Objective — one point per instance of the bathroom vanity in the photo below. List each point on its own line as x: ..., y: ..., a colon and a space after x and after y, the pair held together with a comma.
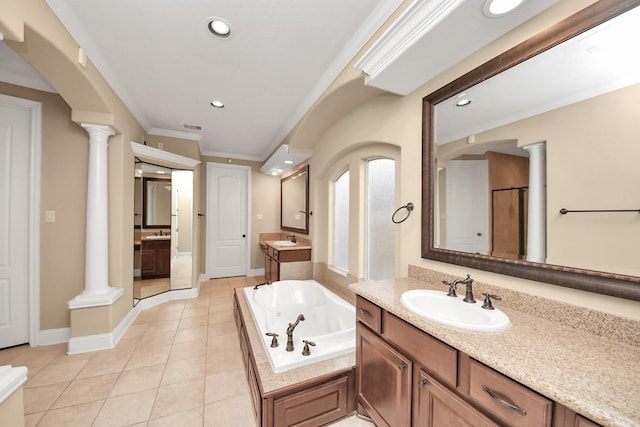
x: 416, y: 372
x: 155, y: 257
x: 284, y: 259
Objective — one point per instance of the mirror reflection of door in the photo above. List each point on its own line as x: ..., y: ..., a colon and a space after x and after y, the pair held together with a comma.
x: 162, y: 230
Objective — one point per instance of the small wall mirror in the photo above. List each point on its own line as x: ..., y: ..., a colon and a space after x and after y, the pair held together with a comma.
x: 294, y: 201
x: 156, y: 203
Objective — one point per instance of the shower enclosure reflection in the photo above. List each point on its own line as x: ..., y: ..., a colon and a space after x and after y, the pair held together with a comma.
x: 163, y: 209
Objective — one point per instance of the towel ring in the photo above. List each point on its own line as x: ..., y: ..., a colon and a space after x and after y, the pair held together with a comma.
x: 408, y: 207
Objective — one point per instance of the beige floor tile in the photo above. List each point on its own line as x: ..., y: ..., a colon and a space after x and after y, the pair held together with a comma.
x: 156, y: 339
x: 224, y: 328
x: 352, y: 421
x: 38, y: 399
x: 220, y: 316
x: 148, y: 356
x: 182, y: 370
x: 72, y: 416
x: 191, y: 334
x: 193, y: 322
x: 233, y: 412
x: 56, y: 373
x: 138, y: 380
x: 168, y: 315
x: 178, y: 397
x: 226, y: 384
x: 225, y: 342
x: 104, y: 364
x: 126, y: 410
x: 31, y: 420
x: 163, y: 325
x: 195, y: 311
x: 85, y: 390
x: 188, y: 349
x: 223, y: 361
x: 135, y: 331
x: 190, y: 418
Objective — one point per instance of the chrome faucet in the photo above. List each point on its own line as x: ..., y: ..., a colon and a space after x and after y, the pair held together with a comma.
x: 290, y: 329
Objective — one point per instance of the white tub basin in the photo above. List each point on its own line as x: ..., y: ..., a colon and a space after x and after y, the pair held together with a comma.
x: 284, y: 243
x: 438, y: 307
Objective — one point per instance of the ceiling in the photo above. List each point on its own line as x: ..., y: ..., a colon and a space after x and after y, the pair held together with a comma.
x: 165, y: 65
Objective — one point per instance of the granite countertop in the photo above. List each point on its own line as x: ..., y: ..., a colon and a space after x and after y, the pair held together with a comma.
x: 299, y: 245
x: 596, y: 377
x: 271, y: 382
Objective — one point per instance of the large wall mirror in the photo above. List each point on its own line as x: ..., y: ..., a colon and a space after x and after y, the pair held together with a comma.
x: 530, y: 160
x: 294, y: 201
x: 156, y: 205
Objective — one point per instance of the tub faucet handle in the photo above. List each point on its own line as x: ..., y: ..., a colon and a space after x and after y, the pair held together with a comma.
x: 274, y: 340
x: 306, y: 350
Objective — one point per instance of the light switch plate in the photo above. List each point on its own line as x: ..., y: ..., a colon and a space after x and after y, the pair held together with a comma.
x: 49, y: 216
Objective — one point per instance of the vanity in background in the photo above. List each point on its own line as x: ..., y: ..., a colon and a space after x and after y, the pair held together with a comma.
x: 289, y: 262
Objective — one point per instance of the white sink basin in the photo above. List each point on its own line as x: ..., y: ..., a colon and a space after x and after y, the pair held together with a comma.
x: 438, y: 307
x: 284, y: 243
x: 157, y: 237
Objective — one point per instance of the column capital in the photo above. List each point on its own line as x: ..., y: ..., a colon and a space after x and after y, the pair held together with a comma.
x: 98, y: 130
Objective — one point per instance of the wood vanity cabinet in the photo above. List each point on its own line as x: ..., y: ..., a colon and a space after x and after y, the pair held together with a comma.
x: 155, y: 259
x: 406, y: 377
x: 274, y: 257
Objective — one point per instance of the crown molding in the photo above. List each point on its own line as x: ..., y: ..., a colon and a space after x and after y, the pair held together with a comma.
x: 419, y: 18
x: 165, y: 158
x: 175, y: 134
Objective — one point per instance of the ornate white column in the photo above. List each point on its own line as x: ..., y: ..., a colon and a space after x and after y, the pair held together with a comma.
x: 97, y: 291
x: 537, y: 223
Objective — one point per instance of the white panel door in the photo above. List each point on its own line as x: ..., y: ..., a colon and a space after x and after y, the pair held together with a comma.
x: 227, y: 220
x: 467, y: 201
x: 15, y: 136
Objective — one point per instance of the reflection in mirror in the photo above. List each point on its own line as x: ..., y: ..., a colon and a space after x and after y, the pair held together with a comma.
x: 163, y: 211
x: 510, y: 146
x: 294, y: 201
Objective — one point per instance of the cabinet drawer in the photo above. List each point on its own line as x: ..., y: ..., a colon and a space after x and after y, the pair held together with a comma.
x: 369, y: 314
x: 439, y: 359
x: 511, y: 402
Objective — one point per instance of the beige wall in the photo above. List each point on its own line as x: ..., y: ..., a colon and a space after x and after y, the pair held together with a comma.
x: 12, y: 409
x: 398, y: 121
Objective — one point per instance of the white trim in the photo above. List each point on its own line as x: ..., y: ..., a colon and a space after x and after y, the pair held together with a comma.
x: 232, y: 156
x: 168, y: 159
x: 35, y: 150
x: 175, y: 134
x: 11, y: 378
x: 54, y: 336
x: 413, y: 24
x: 110, y: 340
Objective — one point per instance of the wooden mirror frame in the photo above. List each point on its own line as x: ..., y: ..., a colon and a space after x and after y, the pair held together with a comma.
x: 622, y: 286
x: 145, y: 224
x: 305, y: 230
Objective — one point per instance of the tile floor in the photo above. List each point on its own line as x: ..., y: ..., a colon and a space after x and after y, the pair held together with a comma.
x: 178, y: 364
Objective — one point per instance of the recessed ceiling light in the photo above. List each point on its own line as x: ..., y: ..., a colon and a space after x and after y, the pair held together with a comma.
x: 217, y: 104
x: 463, y: 102
x: 288, y: 162
x: 218, y: 27
x: 494, y: 8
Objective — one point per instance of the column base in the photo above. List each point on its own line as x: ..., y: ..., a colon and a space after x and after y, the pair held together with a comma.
x: 85, y: 300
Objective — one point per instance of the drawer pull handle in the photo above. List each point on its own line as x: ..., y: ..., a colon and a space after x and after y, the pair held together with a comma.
x: 423, y: 383
x: 504, y: 402
x: 402, y: 366
x: 365, y: 312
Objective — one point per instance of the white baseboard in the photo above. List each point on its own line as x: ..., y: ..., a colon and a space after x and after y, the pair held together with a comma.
x: 256, y: 272
x: 54, y: 336
x: 110, y: 340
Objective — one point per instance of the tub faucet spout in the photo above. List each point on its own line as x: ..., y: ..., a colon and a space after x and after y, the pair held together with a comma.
x: 290, y: 329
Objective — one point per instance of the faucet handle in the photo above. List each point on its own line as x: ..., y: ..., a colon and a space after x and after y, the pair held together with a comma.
x: 487, y: 300
x: 452, y: 288
x: 306, y: 350
x: 274, y: 341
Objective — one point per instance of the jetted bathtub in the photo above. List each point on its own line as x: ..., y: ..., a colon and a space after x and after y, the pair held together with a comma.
x: 330, y: 321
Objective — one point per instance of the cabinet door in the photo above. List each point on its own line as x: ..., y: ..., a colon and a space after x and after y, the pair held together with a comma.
x: 435, y: 406
x: 383, y: 380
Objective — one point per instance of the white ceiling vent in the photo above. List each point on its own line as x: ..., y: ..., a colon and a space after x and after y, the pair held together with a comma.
x: 191, y: 127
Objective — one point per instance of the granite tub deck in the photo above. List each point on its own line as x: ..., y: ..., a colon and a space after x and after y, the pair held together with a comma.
x: 594, y: 376
x: 269, y: 381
